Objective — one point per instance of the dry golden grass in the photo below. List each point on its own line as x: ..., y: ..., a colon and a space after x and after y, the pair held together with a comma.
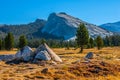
x: 66, y: 70
x: 7, y: 52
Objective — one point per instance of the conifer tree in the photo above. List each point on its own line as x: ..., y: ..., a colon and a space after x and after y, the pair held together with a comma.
x: 99, y: 42
x: 3, y: 44
x: 82, y: 36
x: 9, y: 41
x: 43, y: 41
x: 91, y: 41
x: 0, y: 44
x: 22, y: 41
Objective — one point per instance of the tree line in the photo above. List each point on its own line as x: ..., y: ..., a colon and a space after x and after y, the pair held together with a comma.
x: 82, y: 41
x: 99, y: 42
x: 8, y: 43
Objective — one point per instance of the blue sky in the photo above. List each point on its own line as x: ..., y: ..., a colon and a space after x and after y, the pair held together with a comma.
x: 92, y: 11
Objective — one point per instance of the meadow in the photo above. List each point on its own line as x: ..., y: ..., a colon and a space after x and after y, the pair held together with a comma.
x: 104, y: 66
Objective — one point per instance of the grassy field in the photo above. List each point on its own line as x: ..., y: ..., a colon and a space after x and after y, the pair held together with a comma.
x: 104, y: 66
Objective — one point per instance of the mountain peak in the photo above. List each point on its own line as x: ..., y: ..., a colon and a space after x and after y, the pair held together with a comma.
x: 62, y: 13
x: 64, y: 25
x: 39, y: 20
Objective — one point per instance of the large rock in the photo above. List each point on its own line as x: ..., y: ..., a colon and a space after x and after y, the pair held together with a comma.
x: 89, y: 55
x: 45, y: 48
x: 43, y: 55
x: 52, y: 54
x: 7, y: 57
x: 24, y: 54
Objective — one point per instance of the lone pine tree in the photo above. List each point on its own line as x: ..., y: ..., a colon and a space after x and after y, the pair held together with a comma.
x: 82, y: 36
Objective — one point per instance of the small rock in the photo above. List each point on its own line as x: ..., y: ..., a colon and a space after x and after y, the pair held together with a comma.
x: 44, y: 71
x: 89, y: 55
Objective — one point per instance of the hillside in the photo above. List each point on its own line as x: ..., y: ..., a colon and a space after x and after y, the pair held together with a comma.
x: 31, y: 30
x: 113, y: 27
x: 26, y: 29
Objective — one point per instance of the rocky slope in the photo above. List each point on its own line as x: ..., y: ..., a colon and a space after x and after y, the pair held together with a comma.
x: 64, y: 25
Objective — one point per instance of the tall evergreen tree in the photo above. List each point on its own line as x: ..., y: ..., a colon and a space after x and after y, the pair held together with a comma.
x: 99, y: 42
x: 22, y: 41
x: 91, y: 41
x: 107, y: 41
x: 9, y: 41
x: 0, y: 44
x: 82, y: 36
x: 3, y: 44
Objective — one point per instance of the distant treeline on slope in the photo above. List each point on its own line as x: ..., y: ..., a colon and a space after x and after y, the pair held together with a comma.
x: 31, y: 30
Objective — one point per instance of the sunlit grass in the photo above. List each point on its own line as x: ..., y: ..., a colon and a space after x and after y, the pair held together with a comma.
x: 29, y: 71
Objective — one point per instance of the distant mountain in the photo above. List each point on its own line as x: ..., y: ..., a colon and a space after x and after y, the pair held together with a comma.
x: 26, y: 29
x: 113, y: 27
x: 31, y: 30
x: 58, y: 26
x: 64, y: 25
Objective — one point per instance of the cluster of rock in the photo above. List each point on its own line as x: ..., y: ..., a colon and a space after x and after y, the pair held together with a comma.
x: 43, y: 52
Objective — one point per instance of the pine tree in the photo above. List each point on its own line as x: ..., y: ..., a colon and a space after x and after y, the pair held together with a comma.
x: 107, y: 41
x: 0, y: 44
x: 3, y: 44
x: 91, y: 41
x: 43, y: 41
x: 9, y: 41
x: 99, y: 42
x: 82, y: 36
x: 22, y: 41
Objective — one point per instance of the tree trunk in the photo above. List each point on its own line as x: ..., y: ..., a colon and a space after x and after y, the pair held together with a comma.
x: 81, y: 49
x: 99, y: 48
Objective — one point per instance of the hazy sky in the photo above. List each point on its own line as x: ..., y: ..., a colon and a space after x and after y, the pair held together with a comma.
x: 92, y: 11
